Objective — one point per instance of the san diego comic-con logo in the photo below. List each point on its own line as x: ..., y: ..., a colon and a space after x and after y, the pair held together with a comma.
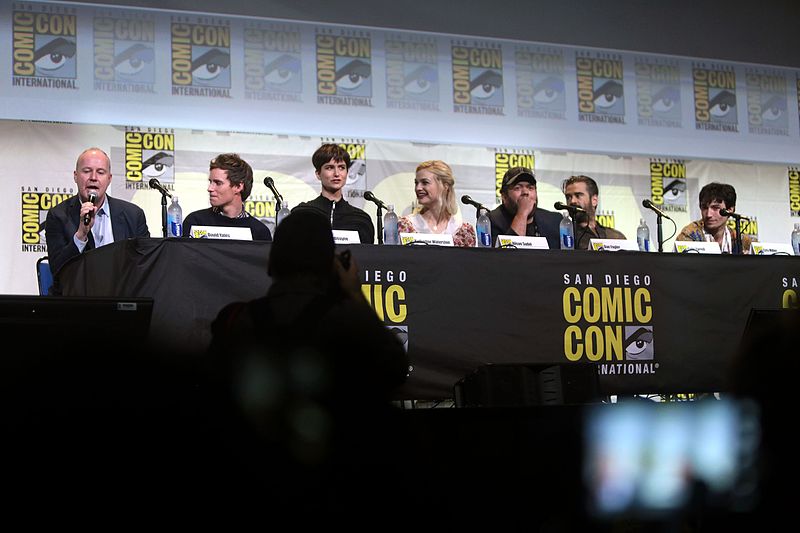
x: 609, y: 321
x: 272, y: 63
x: 344, y: 67
x: 793, y: 174
x: 789, y: 296
x: 749, y: 227
x: 668, y: 184
x: 35, y: 205
x: 601, y: 93
x: 386, y: 294
x: 766, y: 102
x: 412, y: 73
x: 124, y: 52
x: 714, y: 88
x: 44, y: 46
x: 506, y: 159
x: 149, y: 153
x: 540, y: 82
x: 658, y: 92
x: 263, y: 208
x: 201, y: 57
x: 477, y: 77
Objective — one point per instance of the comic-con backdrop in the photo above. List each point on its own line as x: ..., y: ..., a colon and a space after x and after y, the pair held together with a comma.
x: 165, y: 92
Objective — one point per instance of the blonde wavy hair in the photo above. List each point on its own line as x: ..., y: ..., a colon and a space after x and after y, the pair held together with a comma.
x: 444, y: 175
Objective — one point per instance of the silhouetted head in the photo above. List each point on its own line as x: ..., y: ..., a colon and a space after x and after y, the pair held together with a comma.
x: 303, y: 244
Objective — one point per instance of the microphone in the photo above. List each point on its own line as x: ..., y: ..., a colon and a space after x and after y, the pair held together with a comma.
x: 649, y: 205
x: 724, y: 212
x: 371, y: 198
x: 466, y: 200
x: 270, y: 183
x: 155, y: 184
x: 571, y: 208
x: 88, y: 216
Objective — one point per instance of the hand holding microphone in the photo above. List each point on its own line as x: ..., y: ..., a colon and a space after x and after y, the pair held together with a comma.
x: 89, y: 214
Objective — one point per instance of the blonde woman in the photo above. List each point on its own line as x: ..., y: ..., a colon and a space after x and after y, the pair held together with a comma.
x: 436, y: 196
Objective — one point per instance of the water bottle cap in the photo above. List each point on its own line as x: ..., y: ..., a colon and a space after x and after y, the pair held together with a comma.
x: 390, y: 207
x: 641, y: 221
x: 174, y: 197
x: 797, y: 225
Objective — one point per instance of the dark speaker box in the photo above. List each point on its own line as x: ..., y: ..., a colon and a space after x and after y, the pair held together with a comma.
x: 511, y: 385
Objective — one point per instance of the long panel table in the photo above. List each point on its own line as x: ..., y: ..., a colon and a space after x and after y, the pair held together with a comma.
x: 652, y: 323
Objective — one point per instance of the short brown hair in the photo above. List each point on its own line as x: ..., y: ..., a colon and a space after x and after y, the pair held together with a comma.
x: 328, y: 152
x: 239, y: 171
x: 591, y: 185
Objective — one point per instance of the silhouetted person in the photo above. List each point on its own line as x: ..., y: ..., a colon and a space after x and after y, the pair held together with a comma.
x: 309, y: 370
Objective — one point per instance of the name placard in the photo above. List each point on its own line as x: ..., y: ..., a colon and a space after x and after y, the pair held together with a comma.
x: 436, y: 239
x: 613, y: 245
x: 771, y: 248
x: 345, y: 236
x: 520, y: 241
x: 221, y: 232
x: 683, y: 247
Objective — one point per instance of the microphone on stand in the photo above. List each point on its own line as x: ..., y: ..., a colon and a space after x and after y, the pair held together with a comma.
x: 650, y: 205
x: 88, y: 216
x: 724, y: 212
x: 466, y: 200
x: 155, y: 184
x: 571, y: 208
x: 371, y: 198
x: 270, y: 183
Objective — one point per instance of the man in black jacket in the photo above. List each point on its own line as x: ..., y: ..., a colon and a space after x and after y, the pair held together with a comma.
x: 331, y: 163
x: 518, y: 214
x: 78, y: 224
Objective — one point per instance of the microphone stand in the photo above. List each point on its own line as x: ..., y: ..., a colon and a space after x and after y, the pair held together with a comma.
x: 738, y: 243
x: 660, y: 233
x: 380, y: 223
x: 164, y: 214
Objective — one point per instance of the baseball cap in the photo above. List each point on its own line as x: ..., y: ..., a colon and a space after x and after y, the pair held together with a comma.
x: 516, y: 175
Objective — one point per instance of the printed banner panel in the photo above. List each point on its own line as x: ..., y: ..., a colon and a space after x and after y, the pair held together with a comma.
x: 71, y: 62
x: 650, y: 323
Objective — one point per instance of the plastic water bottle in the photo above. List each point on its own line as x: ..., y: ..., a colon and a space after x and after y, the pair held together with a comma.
x: 174, y: 219
x: 484, y: 230
x: 643, y: 236
x: 566, y: 234
x: 796, y: 239
x: 390, y: 232
x: 282, y: 213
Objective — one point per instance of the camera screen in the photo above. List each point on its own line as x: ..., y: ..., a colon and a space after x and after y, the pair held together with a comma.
x: 647, y: 459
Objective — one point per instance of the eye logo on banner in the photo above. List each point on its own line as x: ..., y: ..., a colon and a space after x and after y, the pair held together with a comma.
x: 149, y: 154
x: 766, y: 102
x: 714, y: 98
x: 609, y: 322
x: 506, y: 159
x: 344, y: 67
x: 385, y: 292
x: 273, y: 63
x: 412, y: 73
x: 477, y: 77
x: 44, y: 46
x: 35, y: 206
x: 793, y: 173
x: 540, y: 82
x: 201, y: 57
x: 668, y: 185
x: 601, y: 94
x: 124, y: 52
x: 658, y: 92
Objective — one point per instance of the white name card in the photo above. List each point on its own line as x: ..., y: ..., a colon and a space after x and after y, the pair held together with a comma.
x: 346, y: 236
x: 520, y: 241
x: 436, y: 239
x: 613, y: 245
x: 221, y: 232
x: 771, y: 248
x: 683, y: 247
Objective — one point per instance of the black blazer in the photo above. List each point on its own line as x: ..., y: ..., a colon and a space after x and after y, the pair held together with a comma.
x: 546, y: 221
x: 127, y: 221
